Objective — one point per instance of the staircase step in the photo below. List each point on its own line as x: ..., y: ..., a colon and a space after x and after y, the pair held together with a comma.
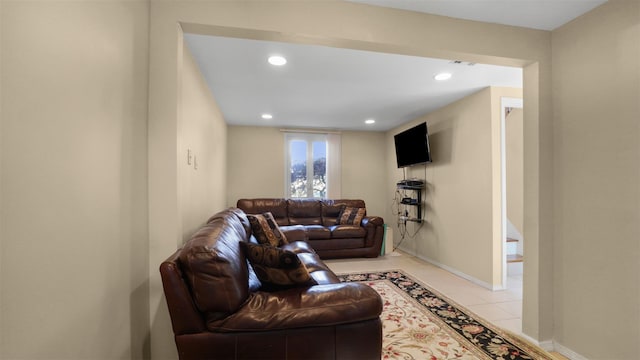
x: 513, y: 258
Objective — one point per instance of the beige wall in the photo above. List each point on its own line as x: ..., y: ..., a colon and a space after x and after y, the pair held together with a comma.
x: 74, y: 180
x: 596, y: 77
x: 462, y: 229
x: 257, y: 161
x: 202, y: 131
x: 457, y: 232
x: 363, y: 170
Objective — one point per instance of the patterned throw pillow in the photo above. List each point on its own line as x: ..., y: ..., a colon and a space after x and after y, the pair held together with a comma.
x: 351, y: 216
x: 277, y: 267
x: 266, y: 230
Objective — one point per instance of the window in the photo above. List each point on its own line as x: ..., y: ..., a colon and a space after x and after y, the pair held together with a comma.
x: 309, y: 170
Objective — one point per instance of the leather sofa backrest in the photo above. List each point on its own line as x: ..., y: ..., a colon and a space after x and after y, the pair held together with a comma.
x: 299, y: 211
x: 304, y: 211
x: 277, y: 207
x: 214, y: 265
x: 242, y: 217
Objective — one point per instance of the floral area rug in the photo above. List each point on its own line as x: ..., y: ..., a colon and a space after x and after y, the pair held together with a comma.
x: 419, y: 323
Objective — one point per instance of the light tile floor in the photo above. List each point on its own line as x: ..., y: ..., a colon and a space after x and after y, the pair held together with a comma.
x: 502, y: 308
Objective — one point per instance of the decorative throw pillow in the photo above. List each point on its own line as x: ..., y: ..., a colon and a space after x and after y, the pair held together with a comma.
x: 351, y: 216
x: 276, y: 267
x: 331, y: 212
x: 266, y: 230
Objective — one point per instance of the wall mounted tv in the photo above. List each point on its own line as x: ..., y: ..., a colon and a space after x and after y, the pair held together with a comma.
x: 412, y: 146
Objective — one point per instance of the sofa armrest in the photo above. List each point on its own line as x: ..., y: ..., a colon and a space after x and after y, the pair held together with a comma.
x: 375, y: 232
x: 185, y: 317
x: 318, y: 305
x: 368, y: 221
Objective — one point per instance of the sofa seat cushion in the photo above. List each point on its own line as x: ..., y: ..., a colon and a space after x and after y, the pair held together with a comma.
x: 347, y: 231
x: 331, y: 244
x: 315, y: 232
x: 319, y: 305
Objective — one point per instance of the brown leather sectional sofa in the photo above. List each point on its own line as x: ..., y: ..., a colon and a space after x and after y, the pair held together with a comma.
x: 315, y: 221
x: 220, y: 310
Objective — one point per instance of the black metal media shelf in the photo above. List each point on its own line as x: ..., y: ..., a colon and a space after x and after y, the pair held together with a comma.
x: 415, y: 200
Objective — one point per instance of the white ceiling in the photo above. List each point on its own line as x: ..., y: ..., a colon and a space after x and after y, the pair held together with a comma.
x: 534, y: 14
x: 334, y: 88
x: 324, y: 87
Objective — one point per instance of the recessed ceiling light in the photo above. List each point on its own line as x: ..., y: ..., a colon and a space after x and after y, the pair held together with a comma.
x: 267, y: 116
x: 277, y: 60
x: 369, y: 121
x: 442, y: 76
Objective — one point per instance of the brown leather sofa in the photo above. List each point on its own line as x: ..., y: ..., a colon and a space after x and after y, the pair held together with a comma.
x: 219, y: 309
x: 315, y: 221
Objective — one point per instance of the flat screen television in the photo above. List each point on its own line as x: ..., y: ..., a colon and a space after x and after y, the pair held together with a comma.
x: 412, y: 146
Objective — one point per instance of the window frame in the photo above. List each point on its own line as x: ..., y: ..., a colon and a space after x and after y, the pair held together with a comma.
x: 309, y: 139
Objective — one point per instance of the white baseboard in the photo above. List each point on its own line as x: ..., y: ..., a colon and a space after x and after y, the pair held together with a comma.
x: 545, y: 345
x: 565, y: 351
x: 456, y: 272
x: 551, y: 345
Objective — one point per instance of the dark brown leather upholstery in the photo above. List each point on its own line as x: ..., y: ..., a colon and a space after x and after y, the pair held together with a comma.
x: 277, y: 207
x: 315, y: 221
x: 219, y: 311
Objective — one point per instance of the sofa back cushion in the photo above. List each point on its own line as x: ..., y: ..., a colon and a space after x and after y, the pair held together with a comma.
x: 299, y: 211
x: 304, y: 211
x: 214, y: 265
x: 331, y: 209
x: 277, y: 207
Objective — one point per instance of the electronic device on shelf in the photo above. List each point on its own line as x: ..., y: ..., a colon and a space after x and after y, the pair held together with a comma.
x: 409, y: 201
x: 413, y: 182
x: 410, y: 184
